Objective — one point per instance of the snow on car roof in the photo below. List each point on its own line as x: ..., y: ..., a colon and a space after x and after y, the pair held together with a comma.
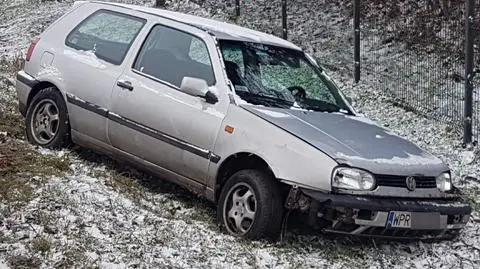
x: 221, y: 30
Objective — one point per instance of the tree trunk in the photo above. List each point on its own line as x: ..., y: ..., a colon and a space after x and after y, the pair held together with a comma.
x: 160, y: 3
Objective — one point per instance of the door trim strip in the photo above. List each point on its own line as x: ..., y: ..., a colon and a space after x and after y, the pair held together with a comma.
x: 87, y: 105
x: 207, y: 154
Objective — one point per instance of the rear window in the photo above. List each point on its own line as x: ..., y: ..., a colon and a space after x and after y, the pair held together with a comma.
x: 107, y: 34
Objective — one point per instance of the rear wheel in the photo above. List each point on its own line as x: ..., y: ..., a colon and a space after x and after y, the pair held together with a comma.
x: 47, y: 120
x: 250, y: 205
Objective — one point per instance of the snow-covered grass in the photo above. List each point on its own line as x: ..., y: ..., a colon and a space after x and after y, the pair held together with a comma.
x: 90, y: 211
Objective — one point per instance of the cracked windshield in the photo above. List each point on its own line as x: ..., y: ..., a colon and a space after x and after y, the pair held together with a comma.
x: 278, y: 77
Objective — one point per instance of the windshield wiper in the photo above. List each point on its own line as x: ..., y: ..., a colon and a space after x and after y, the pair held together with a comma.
x: 323, y: 106
x: 261, y: 99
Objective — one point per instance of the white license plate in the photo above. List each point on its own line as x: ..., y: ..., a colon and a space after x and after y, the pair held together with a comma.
x: 399, y: 219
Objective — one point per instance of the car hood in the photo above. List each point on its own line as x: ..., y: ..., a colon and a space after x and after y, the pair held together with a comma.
x: 354, y: 140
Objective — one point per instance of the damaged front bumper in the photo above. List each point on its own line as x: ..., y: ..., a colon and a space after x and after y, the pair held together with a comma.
x: 381, y: 217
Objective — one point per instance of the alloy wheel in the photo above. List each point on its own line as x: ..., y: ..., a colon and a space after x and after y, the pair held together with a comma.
x: 239, y: 209
x: 45, y: 121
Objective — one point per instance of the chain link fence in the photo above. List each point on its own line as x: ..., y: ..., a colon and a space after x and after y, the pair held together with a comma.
x: 415, y: 52
x: 476, y: 78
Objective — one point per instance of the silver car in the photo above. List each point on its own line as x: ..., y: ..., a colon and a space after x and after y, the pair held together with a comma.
x: 246, y: 119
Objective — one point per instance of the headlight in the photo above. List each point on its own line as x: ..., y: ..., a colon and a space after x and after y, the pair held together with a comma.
x: 444, y: 182
x: 352, y: 179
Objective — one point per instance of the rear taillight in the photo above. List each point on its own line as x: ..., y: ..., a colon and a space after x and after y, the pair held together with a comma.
x: 31, y: 48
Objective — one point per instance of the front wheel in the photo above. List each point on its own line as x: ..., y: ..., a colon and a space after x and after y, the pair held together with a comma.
x: 250, y: 205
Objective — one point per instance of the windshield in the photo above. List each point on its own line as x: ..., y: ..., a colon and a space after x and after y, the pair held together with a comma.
x: 273, y: 76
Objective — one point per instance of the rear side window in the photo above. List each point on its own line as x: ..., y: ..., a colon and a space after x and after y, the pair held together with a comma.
x: 107, y: 34
x: 170, y: 55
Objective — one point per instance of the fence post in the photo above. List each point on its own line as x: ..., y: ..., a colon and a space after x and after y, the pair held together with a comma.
x: 284, y: 19
x: 356, y: 29
x: 468, y: 105
x: 237, y: 8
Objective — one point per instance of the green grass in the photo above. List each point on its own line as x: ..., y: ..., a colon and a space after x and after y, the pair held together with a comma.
x: 18, y: 159
x: 127, y: 185
x: 22, y: 169
x: 41, y: 245
x: 72, y: 258
x: 11, y: 65
x: 12, y: 122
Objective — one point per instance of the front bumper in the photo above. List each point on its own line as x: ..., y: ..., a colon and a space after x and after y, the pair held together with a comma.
x: 372, y: 216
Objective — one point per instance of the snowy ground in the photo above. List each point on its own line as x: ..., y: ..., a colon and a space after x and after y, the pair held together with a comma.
x: 86, y: 210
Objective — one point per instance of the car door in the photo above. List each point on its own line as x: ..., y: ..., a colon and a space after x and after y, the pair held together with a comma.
x: 91, y: 62
x: 153, y: 119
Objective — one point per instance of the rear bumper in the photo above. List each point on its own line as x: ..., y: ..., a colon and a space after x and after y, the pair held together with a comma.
x: 372, y: 216
x: 24, y: 85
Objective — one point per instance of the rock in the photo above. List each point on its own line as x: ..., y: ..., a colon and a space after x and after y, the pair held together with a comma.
x: 472, y: 179
x: 50, y: 229
x: 138, y: 220
x: 467, y: 157
x: 21, y: 235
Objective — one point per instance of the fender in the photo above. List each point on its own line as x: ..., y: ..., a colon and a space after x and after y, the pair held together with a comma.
x: 291, y: 160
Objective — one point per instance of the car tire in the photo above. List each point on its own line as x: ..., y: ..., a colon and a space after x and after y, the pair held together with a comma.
x: 247, y: 192
x: 47, y: 122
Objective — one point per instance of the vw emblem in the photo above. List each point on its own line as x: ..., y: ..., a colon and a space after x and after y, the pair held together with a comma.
x: 411, y: 183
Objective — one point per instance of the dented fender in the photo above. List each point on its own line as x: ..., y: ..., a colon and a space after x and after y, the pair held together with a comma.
x: 291, y: 160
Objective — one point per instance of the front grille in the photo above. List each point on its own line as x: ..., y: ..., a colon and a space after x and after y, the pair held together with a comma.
x: 400, y: 181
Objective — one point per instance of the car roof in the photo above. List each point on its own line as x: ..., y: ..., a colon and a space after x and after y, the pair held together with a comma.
x: 221, y: 30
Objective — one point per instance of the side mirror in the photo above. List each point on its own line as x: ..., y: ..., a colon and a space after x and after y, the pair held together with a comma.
x: 349, y: 99
x: 198, y: 87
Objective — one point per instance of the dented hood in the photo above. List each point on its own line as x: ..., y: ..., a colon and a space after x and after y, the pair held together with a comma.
x: 353, y: 140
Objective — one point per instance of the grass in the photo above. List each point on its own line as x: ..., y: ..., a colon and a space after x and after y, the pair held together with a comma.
x: 472, y: 196
x: 22, y: 171
x: 20, y: 159
x: 11, y: 65
x: 22, y: 168
x: 127, y: 185
x: 140, y: 188
x: 72, y: 258
x: 12, y: 122
x: 41, y: 245
x: 144, y: 189
x: 24, y: 261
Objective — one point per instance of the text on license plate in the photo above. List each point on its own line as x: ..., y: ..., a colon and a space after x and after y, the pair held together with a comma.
x: 399, y: 219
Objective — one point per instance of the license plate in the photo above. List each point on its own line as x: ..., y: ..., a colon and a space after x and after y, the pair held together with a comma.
x: 399, y: 219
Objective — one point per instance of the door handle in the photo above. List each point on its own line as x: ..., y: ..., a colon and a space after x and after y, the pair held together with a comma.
x: 125, y: 84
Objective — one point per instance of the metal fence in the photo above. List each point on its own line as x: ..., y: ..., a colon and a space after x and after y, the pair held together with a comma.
x: 423, y: 54
x: 475, y: 80
x: 420, y: 53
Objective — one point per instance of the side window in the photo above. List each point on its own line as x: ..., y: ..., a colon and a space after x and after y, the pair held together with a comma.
x: 233, y: 56
x: 107, y: 34
x: 198, y: 52
x: 170, y: 55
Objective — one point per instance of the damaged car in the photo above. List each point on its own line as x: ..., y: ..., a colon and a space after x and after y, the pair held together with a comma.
x: 246, y: 119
